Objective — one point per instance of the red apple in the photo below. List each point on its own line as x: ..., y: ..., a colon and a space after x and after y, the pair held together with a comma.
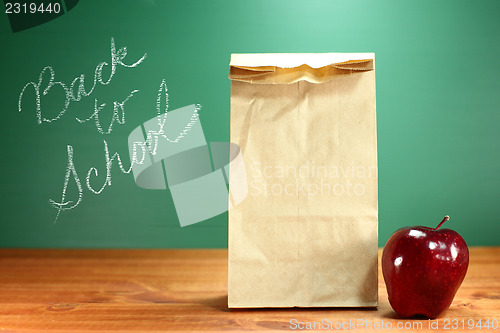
x: 423, y: 269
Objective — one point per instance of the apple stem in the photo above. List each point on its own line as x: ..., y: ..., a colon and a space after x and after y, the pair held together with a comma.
x: 446, y: 218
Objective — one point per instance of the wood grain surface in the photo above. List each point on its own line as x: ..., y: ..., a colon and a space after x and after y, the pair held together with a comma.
x: 186, y: 290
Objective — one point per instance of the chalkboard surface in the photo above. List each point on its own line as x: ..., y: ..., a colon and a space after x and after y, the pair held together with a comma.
x: 74, y: 87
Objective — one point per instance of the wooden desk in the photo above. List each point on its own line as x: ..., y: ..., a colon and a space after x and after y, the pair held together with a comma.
x: 155, y: 290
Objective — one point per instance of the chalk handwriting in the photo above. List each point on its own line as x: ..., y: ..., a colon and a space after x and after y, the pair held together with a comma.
x: 117, y: 57
x: 74, y: 93
x: 109, y: 164
x: 118, y: 114
x: 70, y: 172
x: 150, y: 146
x: 152, y: 137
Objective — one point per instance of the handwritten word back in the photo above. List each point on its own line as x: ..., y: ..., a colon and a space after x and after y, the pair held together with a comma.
x: 72, y: 95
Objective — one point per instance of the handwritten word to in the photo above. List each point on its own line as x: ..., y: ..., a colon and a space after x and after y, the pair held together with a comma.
x: 76, y: 91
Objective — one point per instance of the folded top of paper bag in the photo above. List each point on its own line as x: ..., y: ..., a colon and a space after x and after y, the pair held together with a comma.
x: 290, y: 60
x: 276, y: 68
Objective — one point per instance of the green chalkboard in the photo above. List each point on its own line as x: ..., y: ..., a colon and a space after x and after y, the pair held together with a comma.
x: 437, y: 108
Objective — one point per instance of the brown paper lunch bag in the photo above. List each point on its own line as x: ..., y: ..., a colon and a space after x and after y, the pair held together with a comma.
x: 306, y: 234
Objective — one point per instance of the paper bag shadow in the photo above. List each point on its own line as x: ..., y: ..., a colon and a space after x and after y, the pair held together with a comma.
x: 219, y: 303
